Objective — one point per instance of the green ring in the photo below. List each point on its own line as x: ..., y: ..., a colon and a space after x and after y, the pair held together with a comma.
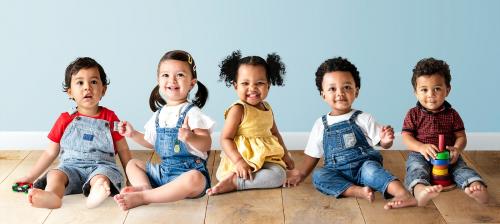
x: 443, y: 155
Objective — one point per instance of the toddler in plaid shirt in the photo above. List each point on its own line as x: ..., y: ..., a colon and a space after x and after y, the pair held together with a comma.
x: 432, y: 116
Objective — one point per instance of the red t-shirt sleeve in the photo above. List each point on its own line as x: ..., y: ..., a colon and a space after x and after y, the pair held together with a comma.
x: 114, y: 134
x: 57, y: 130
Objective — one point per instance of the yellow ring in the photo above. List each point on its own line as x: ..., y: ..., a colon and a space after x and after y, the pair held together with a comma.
x: 439, y: 172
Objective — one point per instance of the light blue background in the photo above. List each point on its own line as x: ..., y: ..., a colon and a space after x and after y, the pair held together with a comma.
x: 384, y: 39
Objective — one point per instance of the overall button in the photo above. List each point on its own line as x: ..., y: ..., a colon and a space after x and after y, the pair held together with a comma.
x: 198, y: 161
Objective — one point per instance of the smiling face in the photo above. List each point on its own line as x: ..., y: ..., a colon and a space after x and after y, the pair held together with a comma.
x: 339, y: 91
x: 431, y: 91
x: 87, y: 90
x: 175, y: 81
x: 251, y: 84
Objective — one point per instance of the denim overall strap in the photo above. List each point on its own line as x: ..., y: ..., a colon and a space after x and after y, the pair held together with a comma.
x: 360, y: 136
x: 325, y: 122
x: 87, y: 139
x: 355, y: 115
x: 183, y: 115
x: 157, y: 119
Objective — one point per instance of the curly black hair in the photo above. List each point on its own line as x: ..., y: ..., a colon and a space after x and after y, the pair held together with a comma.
x: 275, y: 69
x: 431, y: 66
x: 336, y: 64
x: 82, y: 63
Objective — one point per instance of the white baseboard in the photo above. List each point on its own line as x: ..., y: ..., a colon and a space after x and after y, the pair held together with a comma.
x: 476, y: 141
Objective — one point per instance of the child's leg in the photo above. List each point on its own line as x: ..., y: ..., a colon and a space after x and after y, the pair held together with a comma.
x: 424, y: 193
x: 463, y: 175
x: 477, y: 191
x: 51, y: 197
x: 334, y: 182
x: 270, y: 176
x: 136, y: 172
x: 417, y: 179
x: 187, y: 185
x: 99, y: 190
x: 373, y: 174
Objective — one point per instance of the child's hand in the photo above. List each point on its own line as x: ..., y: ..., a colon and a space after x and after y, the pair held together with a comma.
x: 293, y: 178
x: 24, y: 179
x: 386, y: 135
x: 290, y: 164
x: 454, y: 154
x: 428, y: 151
x: 243, y: 170
x: 125, y: 129
x: 185, y: 132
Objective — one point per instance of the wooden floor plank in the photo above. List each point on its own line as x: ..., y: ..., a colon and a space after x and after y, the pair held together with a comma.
x: 184, y: 211
x: 250, y: 206
x: 374, y: 212
x: 14, y: 206
x: 304, y: 204
x: 9, y: 160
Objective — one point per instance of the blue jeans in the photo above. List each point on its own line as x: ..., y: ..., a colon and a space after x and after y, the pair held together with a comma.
x: 365, y: 169
x: 418, y: 171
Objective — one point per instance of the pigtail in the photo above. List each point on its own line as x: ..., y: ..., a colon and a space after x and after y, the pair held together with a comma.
x: 229, y: 68
x: 275, y: 69
x: 155, y: 100
x: 201, y: 95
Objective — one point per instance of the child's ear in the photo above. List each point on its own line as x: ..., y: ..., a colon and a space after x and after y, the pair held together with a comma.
x: 234, y: 85
x: 448, y: 90
x: 193, y: 82
x: 357, y: 92
x: 322, y: 94
x: 104, y: 91
x: 68, y: 91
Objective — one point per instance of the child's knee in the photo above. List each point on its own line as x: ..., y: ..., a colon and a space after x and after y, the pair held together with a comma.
x: 195, y: 178
x: 57, y: 175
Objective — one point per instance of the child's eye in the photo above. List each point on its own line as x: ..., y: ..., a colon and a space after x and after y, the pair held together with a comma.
x: 332, y: 89
x: 423, y: 90
x: 347, y: 87
x: 94, y: 82
x: 164, y: 75
x: 244, y: 83
x: 79, y: 83
x: 180, y: 75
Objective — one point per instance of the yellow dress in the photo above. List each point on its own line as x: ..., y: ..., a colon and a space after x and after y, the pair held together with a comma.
x: 254, y: 140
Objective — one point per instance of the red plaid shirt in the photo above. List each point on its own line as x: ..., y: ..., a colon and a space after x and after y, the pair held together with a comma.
x: 425, y: 126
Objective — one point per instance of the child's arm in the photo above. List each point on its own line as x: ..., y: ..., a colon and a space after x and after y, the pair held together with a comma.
x: 47, y: 157
x: 233, y: 119
x: 197, y: 138
x: 288, y: 161
x: 126, y: 129
x: 294, y: 177
x: 460, y: 143
x: 123, y: 152
x: 386, y: 137
x: 427, y: 150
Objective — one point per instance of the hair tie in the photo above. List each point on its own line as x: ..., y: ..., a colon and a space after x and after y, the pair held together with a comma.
x: 190, y: 59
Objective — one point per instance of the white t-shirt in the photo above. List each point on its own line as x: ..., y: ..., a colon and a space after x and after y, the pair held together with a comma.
x: 371, y: 129
x: 168, y: 119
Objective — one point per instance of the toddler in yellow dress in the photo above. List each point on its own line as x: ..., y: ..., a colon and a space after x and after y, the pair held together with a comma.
x: 254, y: 155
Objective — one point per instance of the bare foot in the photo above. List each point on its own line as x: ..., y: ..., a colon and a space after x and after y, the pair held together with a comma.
x: 131, y: 189
x: 44, y: 199
x: 226, y: 185
x: 424, y: 194
x: 360, y: 192
x: 98, y: 193
x: 477, y: 191
x: 129, y: 200
x: 401, y: 202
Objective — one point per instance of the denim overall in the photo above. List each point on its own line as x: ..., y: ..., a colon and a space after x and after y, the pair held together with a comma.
x: 87, y: 150
x: 175, y: 158
x: 349, y: 160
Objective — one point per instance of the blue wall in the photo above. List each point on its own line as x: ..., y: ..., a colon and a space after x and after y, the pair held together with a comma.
x: 384, y: 39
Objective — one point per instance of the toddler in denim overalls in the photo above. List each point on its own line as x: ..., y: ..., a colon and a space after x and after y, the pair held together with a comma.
x: 84, y: 142
x: 345, y: 137
x: 179, y: 133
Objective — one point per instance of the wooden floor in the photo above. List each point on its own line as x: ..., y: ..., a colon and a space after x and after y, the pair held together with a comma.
x: 302, y: 204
